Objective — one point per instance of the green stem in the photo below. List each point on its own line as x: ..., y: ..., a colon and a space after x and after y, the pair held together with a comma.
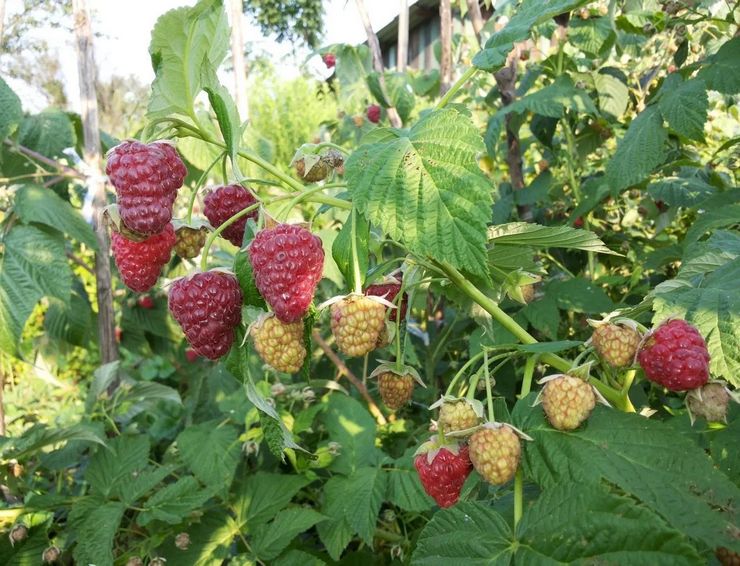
x: 449, y: 95
x: 518, y: 497
x: 529, y: 366
x: 298, y: 198
x: 334, y: 146
x: 399, y: 304
x: 611, y: 395
x: 199, y: 185
x: 489, y: 395
x: 356, y: 275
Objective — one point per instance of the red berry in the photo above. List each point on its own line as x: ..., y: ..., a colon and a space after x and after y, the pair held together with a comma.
x: 208, y: 306
x: 191, y: 355
x: 146, y: 178
x: 389, y: 291
x: 223, y: 203
x: 119, y: 333
x: 288, y: 262
x: 578, y: 222
x: 146, y: 302
x: 139, y: 263
x: 444, y: 476
x: 675, y: 356
x: 329, y: 60
x: 373, y: 113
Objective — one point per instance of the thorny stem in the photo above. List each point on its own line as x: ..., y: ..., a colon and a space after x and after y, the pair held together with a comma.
x: 450, y: 94
x: 199, y: 185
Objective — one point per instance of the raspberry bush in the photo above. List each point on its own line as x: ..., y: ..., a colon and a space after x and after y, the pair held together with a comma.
x: 510, y: 322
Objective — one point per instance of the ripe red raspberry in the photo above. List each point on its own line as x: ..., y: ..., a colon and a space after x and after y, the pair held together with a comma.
x: 139, y: 263
x: 208, y: 306
x: 616, y: 344
x: 373, y: 113
x: 279, y: 344
x: 389, y: 291
x: 567, y: 401
x: 146, y: 302
x: 329, y: 60
x: 358, y: 324
x: 395, y: 390
x: 675, y: 356
x: 288, y: 262
x: 146, y: 178
x: 223, y: 203
x: 189, y: 241
x: 443, y: 472
x: 495, y: 451
x: 191, y: 355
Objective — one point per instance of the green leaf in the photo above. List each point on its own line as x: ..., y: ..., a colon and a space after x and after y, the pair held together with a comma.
x: 572, y: 523
x: 28, y: 552
x: 11, y: 111
x: 184, y: 41
x: 613, y: 94
x: 342, y: 249
x: 544, y: 315
x: 468, y: 533
x: 641, y: 150
x: 529, y: 13
x: 298, y: 558
x: 143, y: 482
x: 404, y: 488
x: 543, y: 237
x: 681, y: 191
x: 260, y: 496
x: 38, y: 437
x: 580, y: 295
x: 425, y: 189
x: 271, y: 539
x: 263, y: 405
x: 593, y: 36
x: 666, y: 471
x: 349, y: 424
x: 335, y: 534
x: 210, y: 542
x: 684, y: 105
x: 212, y: 452
x: 553, y: 100
x: 354, y: 64
x: 71, y: 322
x: 96, y: 534
x: 33, y: 265
x: 44, y: 206
x: 400, y: 93
x: 226, y: 112
x: 145, y: 396
x: 47, y: 133
x: 112, y: 468
x: 352, y: 505
x: 719, y: 72
x: 174, y: 502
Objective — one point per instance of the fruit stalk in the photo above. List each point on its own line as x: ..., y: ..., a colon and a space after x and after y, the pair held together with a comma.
x: 213, y: 235
x: 529, y: 366
x: 199, y: 184
x: 489, y: 395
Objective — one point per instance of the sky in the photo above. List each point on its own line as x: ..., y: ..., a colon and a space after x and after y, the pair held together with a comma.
x: 124, y: 29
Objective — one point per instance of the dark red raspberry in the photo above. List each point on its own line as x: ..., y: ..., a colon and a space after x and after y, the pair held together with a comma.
x: 288, y: 262
x: 146, y: 178
x: 191, y: 355
x: 373, y: 113
x: 444, y: 477
x: 223, y: 203
x: 145, y: 302
x: 207, y: 306
x: 389, y: 291
x: 675, y: 356
x: 329, y: 60
x: 140, y: 263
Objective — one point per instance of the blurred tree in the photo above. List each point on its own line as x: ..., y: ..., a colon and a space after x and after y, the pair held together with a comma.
x: 293, y: 21
x: 122, y: 105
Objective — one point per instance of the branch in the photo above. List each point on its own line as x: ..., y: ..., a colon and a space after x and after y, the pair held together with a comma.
x: 68, y: 171
x: 344, y: 370
x: 81, y: 263
x: 445, y: 39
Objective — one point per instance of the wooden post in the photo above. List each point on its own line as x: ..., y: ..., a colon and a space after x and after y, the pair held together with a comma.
x: 237, y: 58
x: 402, y: 54
x: 445, y: 39
x: 2, y: 20
x: 372, y: 41
x: 476, y: 18
x: 96, y: 181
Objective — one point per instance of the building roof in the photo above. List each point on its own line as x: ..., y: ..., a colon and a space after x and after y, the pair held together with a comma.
x: 420, y: 11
